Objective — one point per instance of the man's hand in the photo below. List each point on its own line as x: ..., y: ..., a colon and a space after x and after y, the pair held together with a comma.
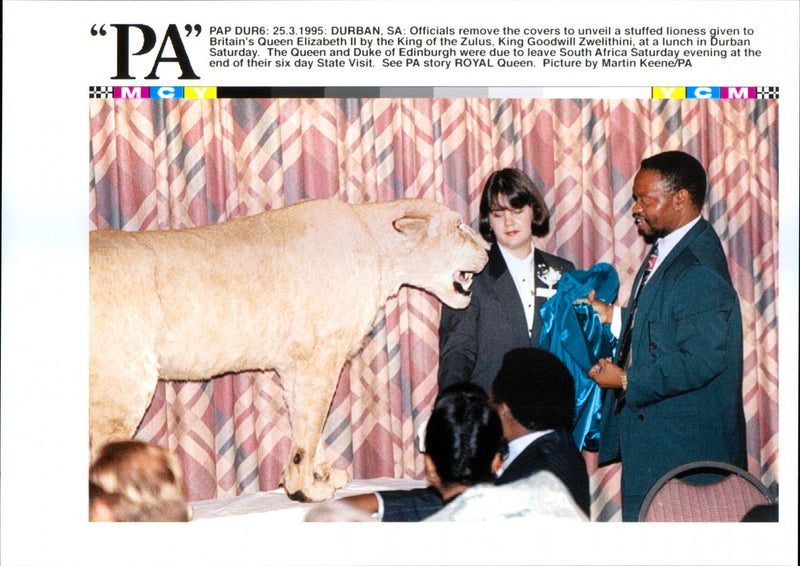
x: 607, y: 375
x: 604, y: 310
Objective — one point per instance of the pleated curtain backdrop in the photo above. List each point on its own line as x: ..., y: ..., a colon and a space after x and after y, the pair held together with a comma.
x: 163, y: 164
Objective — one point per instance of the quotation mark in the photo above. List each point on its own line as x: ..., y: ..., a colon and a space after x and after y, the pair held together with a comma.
x: 197, y: 28
x: 102, y: 30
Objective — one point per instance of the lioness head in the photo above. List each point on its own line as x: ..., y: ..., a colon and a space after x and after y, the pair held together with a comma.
x: 438, y: 252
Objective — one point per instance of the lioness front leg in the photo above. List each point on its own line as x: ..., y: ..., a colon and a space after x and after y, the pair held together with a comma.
x: 308, y: 393
x: 326, y: 473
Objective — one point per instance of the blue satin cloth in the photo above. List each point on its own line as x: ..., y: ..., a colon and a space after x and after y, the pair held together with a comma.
x: 574, y: 333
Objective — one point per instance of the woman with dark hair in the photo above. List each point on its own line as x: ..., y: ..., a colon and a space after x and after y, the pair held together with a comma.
x: 463, y: 441
x: 508, y: 293
x: 464, y: 446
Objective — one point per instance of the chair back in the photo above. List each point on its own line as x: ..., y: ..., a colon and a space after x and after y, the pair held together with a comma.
x: 671, y: 499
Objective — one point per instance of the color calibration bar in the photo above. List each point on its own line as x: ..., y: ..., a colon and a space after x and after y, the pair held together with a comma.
x: 212, y: 92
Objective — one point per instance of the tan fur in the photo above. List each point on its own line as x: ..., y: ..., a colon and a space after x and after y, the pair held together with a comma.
x: 294, y: 290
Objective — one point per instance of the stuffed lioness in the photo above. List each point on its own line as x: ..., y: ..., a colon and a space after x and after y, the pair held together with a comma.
x: 294, y: 290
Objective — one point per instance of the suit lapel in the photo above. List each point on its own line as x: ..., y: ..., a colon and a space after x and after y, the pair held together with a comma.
x: 684, y: 243
x: 506, y: 293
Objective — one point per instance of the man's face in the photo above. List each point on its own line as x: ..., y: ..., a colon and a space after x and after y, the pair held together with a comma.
x: 654, y: 208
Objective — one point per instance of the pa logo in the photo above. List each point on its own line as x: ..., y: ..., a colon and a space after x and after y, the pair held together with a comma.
x: 144, y: 39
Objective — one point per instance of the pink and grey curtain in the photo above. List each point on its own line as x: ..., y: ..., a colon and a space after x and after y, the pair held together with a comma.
x: 156, y: 165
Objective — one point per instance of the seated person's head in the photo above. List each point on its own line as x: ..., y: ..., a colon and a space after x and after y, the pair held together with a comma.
x: 464, y: 390
x: 136, y: 481
x: 537, y: 388
x: 464, y: 439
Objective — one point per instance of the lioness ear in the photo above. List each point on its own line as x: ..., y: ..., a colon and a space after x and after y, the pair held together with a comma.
x: 411, y: 225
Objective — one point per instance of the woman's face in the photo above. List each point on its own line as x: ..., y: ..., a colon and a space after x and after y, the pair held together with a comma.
x: 512, y: 227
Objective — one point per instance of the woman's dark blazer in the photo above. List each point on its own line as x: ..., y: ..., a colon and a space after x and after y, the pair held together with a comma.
x: 473, y: 341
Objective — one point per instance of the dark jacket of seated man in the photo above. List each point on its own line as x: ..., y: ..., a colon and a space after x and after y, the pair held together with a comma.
x: 534, y: 395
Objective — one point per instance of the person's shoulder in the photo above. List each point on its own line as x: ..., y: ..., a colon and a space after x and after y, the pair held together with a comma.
x: 559, y: 441
x: 703, y: 255
x: 701, y: 271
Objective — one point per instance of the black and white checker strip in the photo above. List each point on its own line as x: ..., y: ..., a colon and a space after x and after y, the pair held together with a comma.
x: 101, y: 92
x: 766, y: 92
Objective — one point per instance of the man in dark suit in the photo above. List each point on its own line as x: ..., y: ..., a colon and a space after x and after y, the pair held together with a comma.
x: 507, y: 295
x: 674, y: 392
x: 534, y: 394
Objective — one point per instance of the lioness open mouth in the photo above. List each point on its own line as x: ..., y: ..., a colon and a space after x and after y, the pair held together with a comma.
x: 462, y: 281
